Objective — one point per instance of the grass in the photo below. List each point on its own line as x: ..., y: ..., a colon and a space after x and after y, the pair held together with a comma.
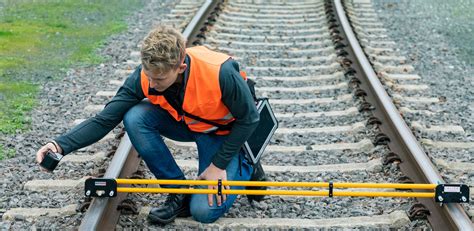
x: 41, y: 39
x: 6, y: 153
x: 16, y: 100
x: 463, y: 12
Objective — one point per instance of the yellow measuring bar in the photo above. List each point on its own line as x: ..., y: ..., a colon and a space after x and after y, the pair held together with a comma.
x: 443, y: 193
x: 276, y: 184
x: 277, y: 192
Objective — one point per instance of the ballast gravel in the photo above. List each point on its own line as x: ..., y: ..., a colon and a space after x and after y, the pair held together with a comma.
x: 438, y: 43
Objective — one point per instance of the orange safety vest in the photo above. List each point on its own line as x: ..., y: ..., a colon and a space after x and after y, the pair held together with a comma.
x: 202, y: 96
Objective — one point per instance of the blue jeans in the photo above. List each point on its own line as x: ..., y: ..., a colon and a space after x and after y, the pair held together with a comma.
x: 145, y: 123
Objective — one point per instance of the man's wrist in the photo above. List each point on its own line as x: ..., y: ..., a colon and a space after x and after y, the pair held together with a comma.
x: 57, y: 146
x: 218, y: 164
x: 217, y: 168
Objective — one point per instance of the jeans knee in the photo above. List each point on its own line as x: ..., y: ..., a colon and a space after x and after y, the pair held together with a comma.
x: 133, y: 117
x: 203, y: 213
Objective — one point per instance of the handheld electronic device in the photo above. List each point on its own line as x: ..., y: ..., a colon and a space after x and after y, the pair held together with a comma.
x: 255, y: 145
x: 51, y: 160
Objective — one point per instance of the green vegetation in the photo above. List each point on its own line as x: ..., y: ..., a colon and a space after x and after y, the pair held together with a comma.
x: 6, y: 153
x: 463, y: 12
x: 41, y: 39
x: 456, y: 20
x: 16, y: 99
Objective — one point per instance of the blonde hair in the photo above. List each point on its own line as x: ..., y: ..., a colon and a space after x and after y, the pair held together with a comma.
x: 163, y: 49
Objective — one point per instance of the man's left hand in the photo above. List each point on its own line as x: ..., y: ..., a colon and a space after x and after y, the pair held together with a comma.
x: 214, y: 173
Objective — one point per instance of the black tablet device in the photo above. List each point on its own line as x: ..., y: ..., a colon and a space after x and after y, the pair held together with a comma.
x: 255, y: 145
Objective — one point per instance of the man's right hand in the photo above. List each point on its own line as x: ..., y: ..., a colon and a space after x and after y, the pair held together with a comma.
x: 44, y: 150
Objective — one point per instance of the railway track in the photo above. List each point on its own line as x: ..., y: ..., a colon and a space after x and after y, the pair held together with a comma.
x: 326, y: 111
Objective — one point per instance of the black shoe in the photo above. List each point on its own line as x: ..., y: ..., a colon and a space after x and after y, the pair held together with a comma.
x: 176, y: 205
x: 257, y: 175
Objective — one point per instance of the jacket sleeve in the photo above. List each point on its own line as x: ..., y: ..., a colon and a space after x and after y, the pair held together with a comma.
x: 238, y: 99
x: 95, y: 128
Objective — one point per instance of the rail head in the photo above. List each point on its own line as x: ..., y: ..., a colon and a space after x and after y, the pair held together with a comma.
x: 192, y: 29
x: 98, y: 207
x: 417, y: 156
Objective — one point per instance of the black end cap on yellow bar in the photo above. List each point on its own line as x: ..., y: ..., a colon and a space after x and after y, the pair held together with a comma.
x: 100, y: 187
x: 452, y: 193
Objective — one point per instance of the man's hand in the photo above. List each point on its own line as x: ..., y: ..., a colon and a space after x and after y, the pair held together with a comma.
x: 44, y: 150
x: 214, y: 173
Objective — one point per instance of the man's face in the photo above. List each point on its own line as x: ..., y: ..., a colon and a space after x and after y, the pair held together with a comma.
x: 161, y: 81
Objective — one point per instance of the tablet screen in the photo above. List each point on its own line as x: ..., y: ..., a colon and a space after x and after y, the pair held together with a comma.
x: 264, y: 131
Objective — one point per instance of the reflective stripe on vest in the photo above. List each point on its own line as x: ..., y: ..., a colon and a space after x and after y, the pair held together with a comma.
x: 202, y: 96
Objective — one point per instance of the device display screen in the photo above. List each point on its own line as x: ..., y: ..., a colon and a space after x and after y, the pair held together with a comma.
x: 263, y: 130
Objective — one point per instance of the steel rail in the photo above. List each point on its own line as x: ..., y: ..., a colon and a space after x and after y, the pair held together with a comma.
x: 190, y: 32
x: 415, y: 162
x: 102, y: 213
